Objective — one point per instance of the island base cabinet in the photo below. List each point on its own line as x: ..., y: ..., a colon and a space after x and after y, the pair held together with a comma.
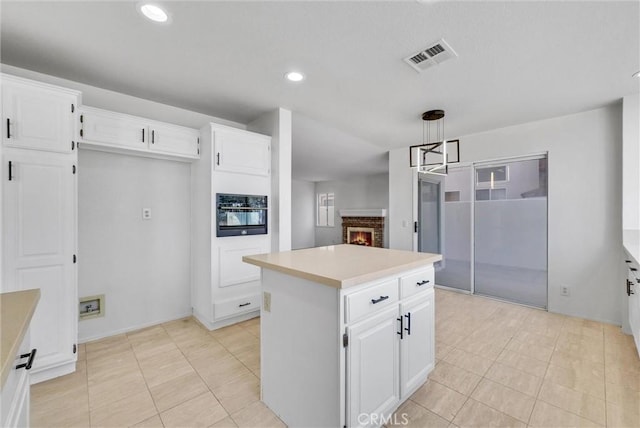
x: 345, y: 357
x: 373, y: 369
x: 417, y: 351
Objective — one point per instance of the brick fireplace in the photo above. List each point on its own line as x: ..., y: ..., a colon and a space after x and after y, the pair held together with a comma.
x: 363, y: 227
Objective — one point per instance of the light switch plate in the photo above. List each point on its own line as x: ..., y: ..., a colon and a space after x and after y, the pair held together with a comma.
x: 146, y: 213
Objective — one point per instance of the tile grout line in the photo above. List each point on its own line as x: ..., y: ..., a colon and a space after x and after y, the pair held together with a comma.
x: 199, y: 375
x: 135, y: 355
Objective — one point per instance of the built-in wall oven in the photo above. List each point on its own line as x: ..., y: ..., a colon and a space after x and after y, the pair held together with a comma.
x: 239, y: 215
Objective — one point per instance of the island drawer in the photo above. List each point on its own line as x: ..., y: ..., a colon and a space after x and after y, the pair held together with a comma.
x: 371, y: 299
x: 416, y: 282
x: 236, y: 306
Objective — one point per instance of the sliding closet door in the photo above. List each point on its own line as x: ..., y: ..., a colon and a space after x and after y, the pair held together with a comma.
x: 455, y: 269
x: 510, y: 231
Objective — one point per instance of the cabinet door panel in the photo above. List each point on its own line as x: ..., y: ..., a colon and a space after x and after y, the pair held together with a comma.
x: 231, y: 267
x: 417, y: 352
x: 39, y: 118
x: 39, y: 224
x: 242, y: 152
x: 174, y: 140
x: 373, y: 368
x: 114, y: 129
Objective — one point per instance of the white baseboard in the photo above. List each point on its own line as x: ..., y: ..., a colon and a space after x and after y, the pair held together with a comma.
x: 209, y: 325
x: 131, y: 328
x: 50, y: 373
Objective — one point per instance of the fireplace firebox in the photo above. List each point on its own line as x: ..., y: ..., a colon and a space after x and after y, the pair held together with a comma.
x: 363, y: 227
x: 361, y: 236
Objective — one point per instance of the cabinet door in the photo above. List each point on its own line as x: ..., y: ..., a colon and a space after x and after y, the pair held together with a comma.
x: 39, y: 230
x: 174, y: 140
x: 231, y: 269
x: 242, y: 152
x: 417, y: 348
x: 634, y: 308
x: 114, y: 129
x: 37, y: 118
x: 373, y: 368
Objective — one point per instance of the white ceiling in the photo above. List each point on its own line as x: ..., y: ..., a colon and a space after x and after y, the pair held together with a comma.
x: 518, y: 62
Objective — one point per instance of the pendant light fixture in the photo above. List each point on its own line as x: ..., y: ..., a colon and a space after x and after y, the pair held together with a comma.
x: 433, y: 155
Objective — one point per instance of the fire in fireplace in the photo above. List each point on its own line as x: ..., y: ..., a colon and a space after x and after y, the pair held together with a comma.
x: 360, y: 236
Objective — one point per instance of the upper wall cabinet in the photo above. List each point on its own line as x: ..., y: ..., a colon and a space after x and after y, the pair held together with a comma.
x: 38, y: 116
x: 110, y: 131
x: 173, y: 139
x: 242, y: 152
x: 113, y: 129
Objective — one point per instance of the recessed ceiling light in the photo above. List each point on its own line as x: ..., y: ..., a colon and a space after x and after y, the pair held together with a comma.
x: 636, y: 74
x: 153, y: 12
x: 294, y: 76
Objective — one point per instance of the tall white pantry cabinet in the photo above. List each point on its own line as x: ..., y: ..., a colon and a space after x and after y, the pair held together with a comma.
x: 39, y: 214
x: 224, y: 289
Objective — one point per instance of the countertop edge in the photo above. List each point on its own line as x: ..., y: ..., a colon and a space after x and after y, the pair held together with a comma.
x: 23, y: 319
x: 345, y: 283
x: 631, y: 243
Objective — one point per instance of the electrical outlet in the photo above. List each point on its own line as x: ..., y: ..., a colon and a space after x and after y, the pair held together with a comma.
x: 266, y: 301
x: 146, y: 213
x: 564, y: 290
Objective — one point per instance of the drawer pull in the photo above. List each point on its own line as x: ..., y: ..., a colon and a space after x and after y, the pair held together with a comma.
x: 632, y: 269
x: 421, y: 283
x: 27, y: 365
x: 244, y: 304
x: 382, y: 298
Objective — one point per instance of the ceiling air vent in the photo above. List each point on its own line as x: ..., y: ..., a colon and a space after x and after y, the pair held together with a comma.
x: 434, y: 54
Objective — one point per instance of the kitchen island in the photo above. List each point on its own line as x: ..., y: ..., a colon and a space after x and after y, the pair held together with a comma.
x: 347, y: 332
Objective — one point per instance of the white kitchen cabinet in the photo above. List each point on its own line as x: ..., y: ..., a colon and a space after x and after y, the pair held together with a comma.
x: 174, y: 140
x: 373, y: 367
x: 365, y: 342
x: 391, y: 353
x: 417, y: 347
x: 113, y: 129
x: 38, y: 116
x: 224, y: 289
x: 633, y: 298
x: 15, y: 397
x: 241, y: 152
x: 123, y: 133
x: 39, y: 240
x: 17, y: 357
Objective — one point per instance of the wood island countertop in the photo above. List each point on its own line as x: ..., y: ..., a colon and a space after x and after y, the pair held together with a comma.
x: 342, y: 266
x: 16, y: 310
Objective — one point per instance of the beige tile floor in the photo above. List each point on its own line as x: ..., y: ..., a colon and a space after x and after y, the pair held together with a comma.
x: 498, y: 364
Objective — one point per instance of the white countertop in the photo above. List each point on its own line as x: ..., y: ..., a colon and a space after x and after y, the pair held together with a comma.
x: 343, y: 266
x: 631, y: 243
